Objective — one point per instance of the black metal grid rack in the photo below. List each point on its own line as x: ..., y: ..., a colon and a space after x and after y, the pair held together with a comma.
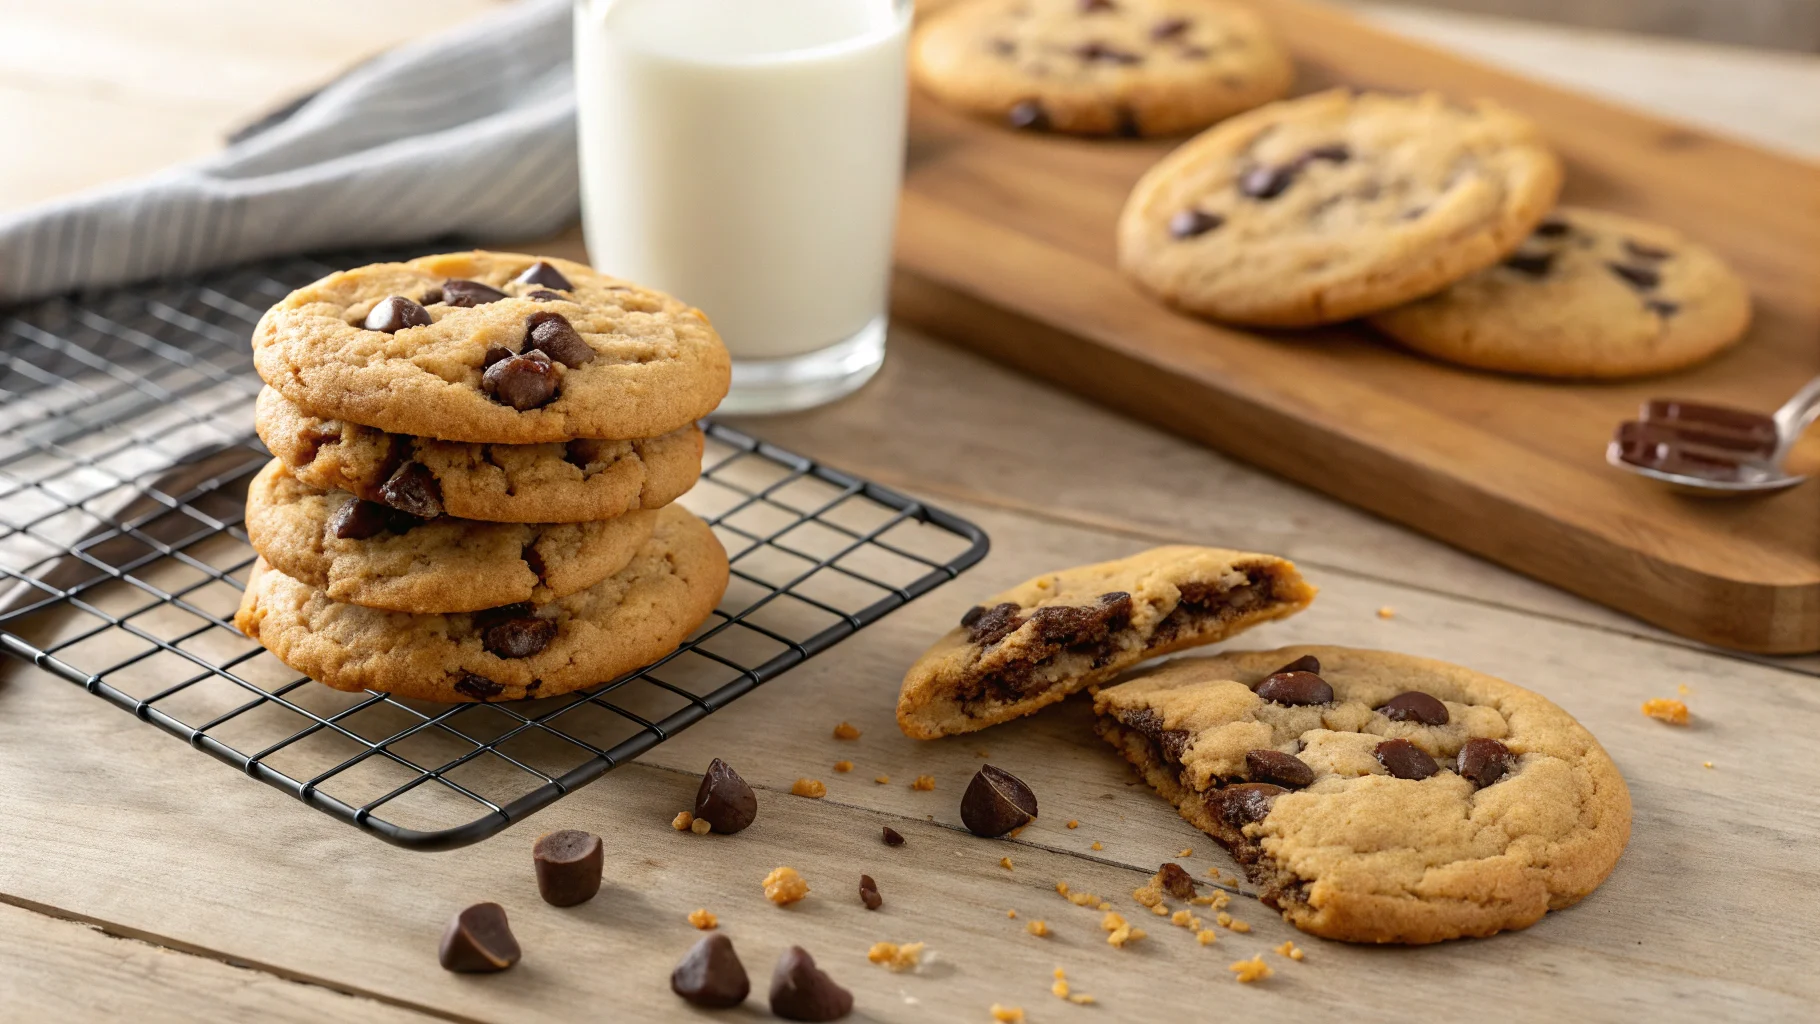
x: 125, y: 447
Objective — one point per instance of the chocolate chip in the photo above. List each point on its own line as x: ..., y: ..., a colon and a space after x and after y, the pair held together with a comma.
x: 711, y: 976
x: 1128, y: 127
x: 1265, y: 182
x: 1096, y: 50
x: 1405, y: 760
x: 396, y: 313
x: 413, y: 489
x: 1093, y: 6
x: 987, y: 626
x: 401, y: 522
x: 494, y: 354
x: 1003, y: 47
x: 545, y: 295
x: 469, y: 293
x: 553, y: 335
x: 1242, y: 803
x: 1295, y: 688
x: 478, y: 687
x: 996, y: 802
x: 1029, y: 115
x: 1334, y: 152
x: 357, y: 519
x: 1645, y: 252
x: 724, y: 799
x: 1553, y: 228
x: 1662, y: 309
x: 431, y: 296
x: 1641, y: 278
x: 582, y: 451
x: 1534, y: 264
x: 544, y: 274
x: 1169, y: 28
x: 1195, y: 53
x: 1415, y: 706
x: 801, y: 991
x: 1193, y: 223
x: 1265, y: 765
x: 533, y: 561
x: 1483, y: 762
x: 1177, y: 882
x: 868, y: 893
x: 519, y: 636
x: 479, y: 940
x: 523, y: 381
x: 1305, y: 663
x: 893, y: 837
x: 1067, y: 625
x: 568, y: 867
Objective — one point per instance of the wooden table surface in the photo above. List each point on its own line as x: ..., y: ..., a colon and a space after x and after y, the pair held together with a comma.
x: 140, y: 880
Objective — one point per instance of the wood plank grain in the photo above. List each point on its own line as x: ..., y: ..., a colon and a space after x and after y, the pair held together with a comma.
x: 1019, y: 226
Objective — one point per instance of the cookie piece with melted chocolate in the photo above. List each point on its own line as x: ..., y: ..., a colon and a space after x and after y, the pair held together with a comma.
x: 1037, y: 643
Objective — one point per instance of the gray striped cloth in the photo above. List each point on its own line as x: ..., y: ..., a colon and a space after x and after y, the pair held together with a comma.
x: 468, y: 132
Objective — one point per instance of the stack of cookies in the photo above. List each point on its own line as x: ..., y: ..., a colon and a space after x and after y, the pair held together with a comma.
x: 476, y: 459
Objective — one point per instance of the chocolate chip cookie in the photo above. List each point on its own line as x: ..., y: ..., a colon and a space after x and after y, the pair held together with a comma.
x: 1590, y: 294
x: 495, y: 348
x: 1378, y: 797
x: 366, y: 553
x: 1335, y: 205
x: 558, y: 482
x: 1063, y: 631
x: 1100, y: 67
x: 623, y: 622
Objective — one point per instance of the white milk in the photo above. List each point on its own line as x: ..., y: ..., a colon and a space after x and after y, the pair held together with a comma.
x: 745, y: 156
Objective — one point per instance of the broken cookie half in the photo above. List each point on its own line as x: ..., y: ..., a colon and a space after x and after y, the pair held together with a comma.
x: 1061, y: 632
x: 1378, y: 797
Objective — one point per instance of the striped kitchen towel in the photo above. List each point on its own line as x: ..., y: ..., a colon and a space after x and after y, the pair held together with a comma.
x: 468, y: 132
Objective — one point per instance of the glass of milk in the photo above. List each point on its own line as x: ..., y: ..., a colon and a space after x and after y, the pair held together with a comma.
x: 745, y: 156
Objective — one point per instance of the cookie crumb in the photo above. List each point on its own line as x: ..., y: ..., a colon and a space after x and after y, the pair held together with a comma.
x: 1013, y: 833
x: 701, y: 826
x: 843, y: 766
x: 1663, y: 709
x: 1240, y: 927
x: 1683, y: 690
x: 1081, y: 999
x: 1160, y: 910
x: 844, y: 731
x: 1005, y: 862
x: 1060, y: 988
x: 1105, y: 905
x: 682, y: 821
x: 1706, y: 764
x: 811, y: 788
x: 1073, y: 823
x: 1185, y: 919
x: 896, y: 957
x: 1062, y: 888
x: 1007, y: 1014
x: 923, y: 783
x: 883, y: 780
x: 1097, y: 845
x: 1038, y: 928
x: 783, y: 885
x: 1011, y: 913
x: 1120, y: 932
x: 1187, y: 851
x: 1386, y: 612
x: 701, y: 918
x: 1254, y: 969
x: 1206, y: 936
x: 1288, y: 949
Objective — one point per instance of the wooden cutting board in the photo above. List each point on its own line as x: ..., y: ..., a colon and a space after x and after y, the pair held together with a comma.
x: 1006, y: 246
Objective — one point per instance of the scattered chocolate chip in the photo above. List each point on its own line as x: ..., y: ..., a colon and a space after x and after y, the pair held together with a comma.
x: 1661, y: 308
x: 868, y: 893
x: 1295, y: 688
x: 1553, y: 228
x: 553, y: 335
x: 544, y: 274
x: 1334, y: 152
x: 357, y: 519
x: 1177, y: 882
x: 1645, y: 252
x: 1193, y: 223
x: 413, y: 489
x: 987, y: 626
x: 1642, y: 278
x: 1169, y: 28
x: 1405, y: 760
x: 711, y: 976
x: 519, y: 636
x: 892, y: 838
x: 1288, y: 770
x: 1242, y: 803
x: 396, y: 313
x: 724, y: 799
x: 996, y: 802
x: 431, y: 296
x: 494, y: 354
x: 1029, y: 115
x: 1265, y: 182
x: 478, y: 939
x: 533, y: 561
x: 546, y: 295
x: 1534, y: 264
x: 523, y: 381
x: 1305, y: 663
x: 1415, y: 706
x: 458, y: 292
x: 1483, y: 762
x: 801, y: 991
x: 583, y: 451
x: 568, y: 867
x: 478, y: 687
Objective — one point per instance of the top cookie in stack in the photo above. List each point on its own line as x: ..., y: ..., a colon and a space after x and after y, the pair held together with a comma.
x: 476, y: 455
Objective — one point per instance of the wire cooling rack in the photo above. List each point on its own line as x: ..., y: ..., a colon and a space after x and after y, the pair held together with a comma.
x: 126, y: 445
